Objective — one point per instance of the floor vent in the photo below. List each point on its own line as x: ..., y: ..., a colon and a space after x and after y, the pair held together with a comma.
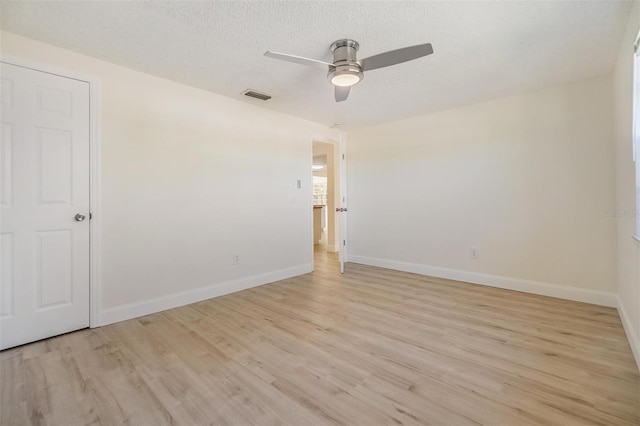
x: 257, y: 95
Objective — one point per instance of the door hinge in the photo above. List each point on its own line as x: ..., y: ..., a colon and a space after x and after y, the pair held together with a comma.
x: 343, y: 156
x: 344, y: 242
x: 90, y: 215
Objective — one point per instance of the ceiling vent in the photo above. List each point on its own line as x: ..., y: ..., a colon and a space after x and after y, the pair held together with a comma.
x: 257, y: 95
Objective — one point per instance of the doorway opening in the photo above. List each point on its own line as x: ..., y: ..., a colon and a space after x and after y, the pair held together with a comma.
x: 326, y: 201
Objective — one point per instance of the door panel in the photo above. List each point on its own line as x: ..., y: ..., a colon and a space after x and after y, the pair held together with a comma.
x: 6, y: 158
x: 53, y: 269
x: 6, y: 289
x: 54, y: 168
x: 44, y: 256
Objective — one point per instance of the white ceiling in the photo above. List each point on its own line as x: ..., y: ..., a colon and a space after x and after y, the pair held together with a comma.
x: 483, y: 49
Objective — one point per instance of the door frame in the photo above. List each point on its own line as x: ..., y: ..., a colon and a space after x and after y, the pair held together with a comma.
x: 338, y: 140
x: 95, y: 223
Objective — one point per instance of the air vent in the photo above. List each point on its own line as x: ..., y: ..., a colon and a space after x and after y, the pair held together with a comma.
x: 257, y: 95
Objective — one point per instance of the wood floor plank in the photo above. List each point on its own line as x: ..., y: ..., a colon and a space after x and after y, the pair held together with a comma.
x: 369, y: 347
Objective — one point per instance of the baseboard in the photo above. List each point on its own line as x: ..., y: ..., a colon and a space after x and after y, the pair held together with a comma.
x: 146, y: 307
x: 545, y: 289
x: 334, y: 248
x: 630, y: 330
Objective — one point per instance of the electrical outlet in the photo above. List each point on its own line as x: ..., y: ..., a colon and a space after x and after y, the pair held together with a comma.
x: 474, y: 253
x: 236, y: 258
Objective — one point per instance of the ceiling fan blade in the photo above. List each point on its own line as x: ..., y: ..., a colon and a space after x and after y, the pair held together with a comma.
x: 296, y: 59
x: 341, y: 93
x: 397, y: 56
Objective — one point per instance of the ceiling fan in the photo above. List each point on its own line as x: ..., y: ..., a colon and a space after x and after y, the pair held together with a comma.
x: 346, y: 70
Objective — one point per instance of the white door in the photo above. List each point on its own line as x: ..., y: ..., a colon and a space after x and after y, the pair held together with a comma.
x: 44, y: 216
x: 342, y: 169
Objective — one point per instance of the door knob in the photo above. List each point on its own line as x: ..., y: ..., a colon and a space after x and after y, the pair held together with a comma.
x: 79, y: 217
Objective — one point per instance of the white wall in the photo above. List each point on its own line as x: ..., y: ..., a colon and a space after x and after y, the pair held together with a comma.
x: 526, y: 179
x: 188, y: 178
x: 628, y: 249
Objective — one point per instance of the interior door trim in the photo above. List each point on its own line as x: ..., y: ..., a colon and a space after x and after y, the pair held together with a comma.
x: 95, y: 230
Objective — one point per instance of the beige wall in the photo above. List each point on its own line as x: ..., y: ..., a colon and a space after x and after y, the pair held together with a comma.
x: 628, y: 249
x: 526, y: 179
x: 188, y: 178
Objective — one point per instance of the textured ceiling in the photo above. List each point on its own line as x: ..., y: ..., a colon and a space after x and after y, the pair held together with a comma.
x: 483, y: 49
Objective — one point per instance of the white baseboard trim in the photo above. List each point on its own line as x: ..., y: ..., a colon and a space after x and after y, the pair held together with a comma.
x: 146, y: 307
x: 332, y: 248
x: 545, y: 289
x: 630, y: 331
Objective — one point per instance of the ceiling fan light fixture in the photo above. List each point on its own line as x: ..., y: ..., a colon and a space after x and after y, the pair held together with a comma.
x: 345, y: 80
x: 345, y: 75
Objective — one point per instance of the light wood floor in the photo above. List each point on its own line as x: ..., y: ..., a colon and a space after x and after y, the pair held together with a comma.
x: 371, y: 347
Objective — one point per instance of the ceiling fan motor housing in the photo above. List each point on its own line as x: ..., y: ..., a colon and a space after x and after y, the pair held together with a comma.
x: 344, y: 50
x: 345, y: 61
